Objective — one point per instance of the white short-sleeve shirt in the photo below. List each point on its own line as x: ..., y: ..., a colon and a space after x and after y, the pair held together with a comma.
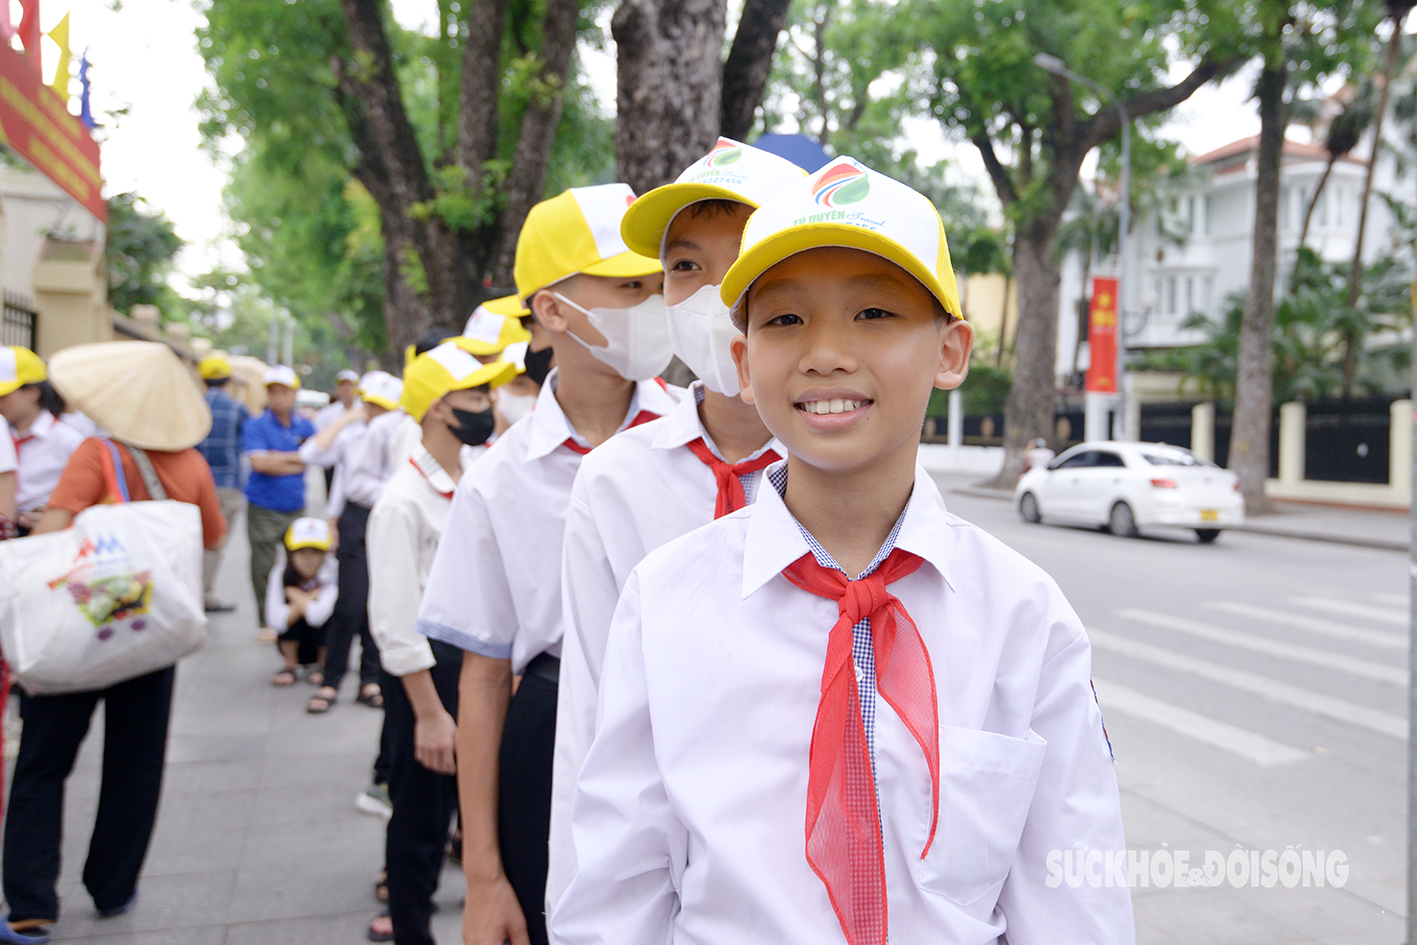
x: 609, y: 530
x: 370, y: 464
x: 495, y: 589
x: 43, y: 451
x: 690, y: 808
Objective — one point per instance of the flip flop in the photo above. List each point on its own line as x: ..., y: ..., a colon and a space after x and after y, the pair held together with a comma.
x: 375, y: 699
x: 319, y: 703
x: 284, y: 678
x: 379, y: 936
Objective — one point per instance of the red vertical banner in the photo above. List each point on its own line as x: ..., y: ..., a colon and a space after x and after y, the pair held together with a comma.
x: 30, y: 34
x: 1102, y: 337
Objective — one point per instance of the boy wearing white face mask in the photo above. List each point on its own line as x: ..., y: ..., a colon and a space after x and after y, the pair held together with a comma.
x: 702, y: 461
x: 494, y: 589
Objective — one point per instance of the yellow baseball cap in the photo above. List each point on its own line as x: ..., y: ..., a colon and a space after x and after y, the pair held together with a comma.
x: 447, y: 368
x: 281, y: 374
x: 18, y: 367
x: 492, y: 326
x: 731, y: 171
x: 214, y: 367
x: 382, y: 388
x: 577, y: 232
x: 848, y: 204
x: 308, y: 533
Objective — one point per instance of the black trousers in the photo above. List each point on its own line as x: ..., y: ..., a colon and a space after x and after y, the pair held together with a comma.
x: 134, y: 745
x: 351, y: 616
x: 424, y: 804
x: 524, y: 796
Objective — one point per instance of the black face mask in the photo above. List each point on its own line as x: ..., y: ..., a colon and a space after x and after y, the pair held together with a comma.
x: 538, y: 364
x: 476, y: 426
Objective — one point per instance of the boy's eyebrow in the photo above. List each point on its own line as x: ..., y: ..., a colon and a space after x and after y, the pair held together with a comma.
x: 865, y: 280
x: 776, y: 286
x: 682, y: 243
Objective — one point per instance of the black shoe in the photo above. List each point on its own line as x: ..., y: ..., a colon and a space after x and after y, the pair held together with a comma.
x: 217, y: 607
x: 114, y: 911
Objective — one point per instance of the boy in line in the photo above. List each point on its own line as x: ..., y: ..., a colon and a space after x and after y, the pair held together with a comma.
x: 447, y: 392
x: 784, y: 750
x: 702, y: 460
x: 495, y: 589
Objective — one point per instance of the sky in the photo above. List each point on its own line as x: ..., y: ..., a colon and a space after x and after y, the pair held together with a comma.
x: 144, y: 58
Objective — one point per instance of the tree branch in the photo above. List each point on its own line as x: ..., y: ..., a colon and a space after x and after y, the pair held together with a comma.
x: 998, y: 173
x: 481, y: 85
x: 749, y: 63
x: 1107, y: 122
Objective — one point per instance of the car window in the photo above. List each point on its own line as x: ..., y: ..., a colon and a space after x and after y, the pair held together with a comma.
x: 1105, y: 458
x: 1172, y: 458
x: 1077, y: 460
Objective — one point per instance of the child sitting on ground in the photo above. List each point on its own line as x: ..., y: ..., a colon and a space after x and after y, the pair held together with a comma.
x: 300, y: 596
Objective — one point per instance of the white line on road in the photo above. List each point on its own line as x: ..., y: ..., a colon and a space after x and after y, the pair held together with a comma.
x: 1339, y: 631
x: 1277, y: 692
x: 1238, y: 741
x: 1397, y: 675
x: 1350, y: 609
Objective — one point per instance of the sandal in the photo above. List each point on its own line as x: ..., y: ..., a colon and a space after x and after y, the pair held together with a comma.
x: 33, y: 933
x: 315, y: 677
x: 370, y: 695
x: 381, y: 886
x: 321, y: 702
x: 285, y: 677
x: 379, y: 935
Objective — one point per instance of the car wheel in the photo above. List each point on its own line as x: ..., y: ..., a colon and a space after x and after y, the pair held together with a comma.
x: 1121, y: 522
x: 1207, y: 535
x: 1028, y: 508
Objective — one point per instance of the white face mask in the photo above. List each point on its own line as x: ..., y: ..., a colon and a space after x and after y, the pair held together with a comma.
x: 637, y: 338
x: 513, y: 407
x: 700, y: 330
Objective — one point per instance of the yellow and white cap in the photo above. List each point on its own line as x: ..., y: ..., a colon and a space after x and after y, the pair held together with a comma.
x: 382, y: 388
x: 308, y: 533
x: 447, y: 368
x: 494, y: 325
x: 214, y: 367
x: 577, y: 231
x: 281, y: 374
x: 18, y: 367
x: 731, y: 171
x: 515, y: 354
x: 347, y: 375
x: 848, y: 204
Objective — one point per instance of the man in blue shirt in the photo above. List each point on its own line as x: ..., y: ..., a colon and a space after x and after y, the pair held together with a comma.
x: 275, y: 491
x: 222, y: 449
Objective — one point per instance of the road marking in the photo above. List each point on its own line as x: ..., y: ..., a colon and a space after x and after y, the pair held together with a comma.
x: 1276, y: 692
x: 1398, y: 600
x: 1350, y: 609
x: 1340, y: 631
x: 1397, y: 675
x: 1238, y: 741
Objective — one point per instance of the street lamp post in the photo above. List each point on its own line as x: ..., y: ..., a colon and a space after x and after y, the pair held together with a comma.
x: 1124, y: 213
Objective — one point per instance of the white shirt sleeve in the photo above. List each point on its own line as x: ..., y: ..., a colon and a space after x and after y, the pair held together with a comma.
x: 467, y: 602
x: 1075, y: 807
x: 631, y: 849
x: 323, y: 605
x: 9, y: 461
x: 394, y: 586
x: 368, y: 468
x: 277, y: 610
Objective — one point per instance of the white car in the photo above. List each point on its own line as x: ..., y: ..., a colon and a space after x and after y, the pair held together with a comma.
x: 1124, y: 487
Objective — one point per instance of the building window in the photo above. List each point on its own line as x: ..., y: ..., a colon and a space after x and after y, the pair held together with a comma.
x: 1205, y: 215
x: 1338, y: 200
x: 1171, y: 295
x: 1206, y: 287
x: 1190, y: 296
x: 1321, y: 211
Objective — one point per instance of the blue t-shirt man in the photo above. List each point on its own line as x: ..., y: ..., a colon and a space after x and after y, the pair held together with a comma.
x: 275, y: 490
x: 267, y: 434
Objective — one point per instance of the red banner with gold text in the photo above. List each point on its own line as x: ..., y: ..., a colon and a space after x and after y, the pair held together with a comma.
x: 1102, y: 337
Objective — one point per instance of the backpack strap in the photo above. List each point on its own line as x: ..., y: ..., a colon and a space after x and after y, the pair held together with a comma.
x: 113, y: 472
x: 145, y: 466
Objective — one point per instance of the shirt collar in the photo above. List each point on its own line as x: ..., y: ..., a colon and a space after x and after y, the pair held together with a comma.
x: 683, y: 425
x: 775, y: 538
x: 434, y: 473
x: 41, y: 428
x: 550, y: 428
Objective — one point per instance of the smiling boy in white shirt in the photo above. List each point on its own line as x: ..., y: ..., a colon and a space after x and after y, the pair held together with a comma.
x: 702, y: 460
x: 787, y: 755
x: 495, y: 588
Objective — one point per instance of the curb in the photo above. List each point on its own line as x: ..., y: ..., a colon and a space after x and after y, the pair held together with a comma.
x: 1353, y: 541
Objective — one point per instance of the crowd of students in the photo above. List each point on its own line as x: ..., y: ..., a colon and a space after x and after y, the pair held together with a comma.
x: 707, y: 665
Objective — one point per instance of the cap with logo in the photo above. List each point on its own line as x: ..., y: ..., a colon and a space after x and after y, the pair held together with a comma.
x: 577, y: 232
x: 848, y: 204
x: 382, y: 388
x: 18, y: 367
x: 281, y: 374
x: 308, y: 533
x: 443, y: 369
x: 492, y: 326
x: 214, y: 367
x: 347, y: 375
x: 731, y: 171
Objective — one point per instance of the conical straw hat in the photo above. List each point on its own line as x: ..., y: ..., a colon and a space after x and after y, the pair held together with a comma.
x: 138, y: 391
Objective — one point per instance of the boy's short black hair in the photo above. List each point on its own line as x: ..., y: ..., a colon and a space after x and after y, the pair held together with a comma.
x: 720, y: 206
x: 217, y: 381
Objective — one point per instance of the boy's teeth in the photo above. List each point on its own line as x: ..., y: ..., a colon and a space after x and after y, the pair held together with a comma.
x: 836, y: 405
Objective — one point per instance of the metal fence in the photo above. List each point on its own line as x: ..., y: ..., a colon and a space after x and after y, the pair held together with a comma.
x: 19, y: 327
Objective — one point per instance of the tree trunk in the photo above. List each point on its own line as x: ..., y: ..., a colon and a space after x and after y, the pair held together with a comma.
x: 1314, y: 202
x: 670, y: 86
x: 1003, y: 322
x: 1351, y: 339
x: 1249, y: 436
x: 749, y: 63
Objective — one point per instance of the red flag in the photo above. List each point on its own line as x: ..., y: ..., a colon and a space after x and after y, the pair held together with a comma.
x: 29, y: 30
x: 7, y: 28
x: 1102, y: 336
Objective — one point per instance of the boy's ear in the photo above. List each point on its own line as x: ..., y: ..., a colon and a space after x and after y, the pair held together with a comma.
x: 547, y: 309
x: 956, y: 342
x: 738, y: 347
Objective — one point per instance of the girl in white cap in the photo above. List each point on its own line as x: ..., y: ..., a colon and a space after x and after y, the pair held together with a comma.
x: 300, y: 596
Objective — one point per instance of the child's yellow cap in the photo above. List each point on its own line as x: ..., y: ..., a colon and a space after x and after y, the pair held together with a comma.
x: 447, y: 368
x: 577, y: 232
x: 494, y: 325
x: 308, y: 533
x: 381, y: 388
x: 214, y: 367
x: 21, y: 366
x: 848, y: 204
x: 731, y: 171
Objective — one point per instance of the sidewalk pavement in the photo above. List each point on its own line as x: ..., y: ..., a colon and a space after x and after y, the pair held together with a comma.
x: 257, y: 840
x: 1386, y: 529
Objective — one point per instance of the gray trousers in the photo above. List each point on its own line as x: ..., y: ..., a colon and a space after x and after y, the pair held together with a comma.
x: 266, y: 529
x: 232, y: 501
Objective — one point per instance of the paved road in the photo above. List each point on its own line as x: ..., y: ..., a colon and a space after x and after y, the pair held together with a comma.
x: 1255, y: 694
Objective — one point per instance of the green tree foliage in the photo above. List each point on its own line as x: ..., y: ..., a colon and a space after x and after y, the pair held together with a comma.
x: 141, y: 247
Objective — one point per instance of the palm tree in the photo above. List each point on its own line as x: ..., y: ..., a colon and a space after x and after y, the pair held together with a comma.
x: 1343, y: 135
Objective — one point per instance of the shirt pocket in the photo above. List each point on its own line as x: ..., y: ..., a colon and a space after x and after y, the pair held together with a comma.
x: 986, y: 787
